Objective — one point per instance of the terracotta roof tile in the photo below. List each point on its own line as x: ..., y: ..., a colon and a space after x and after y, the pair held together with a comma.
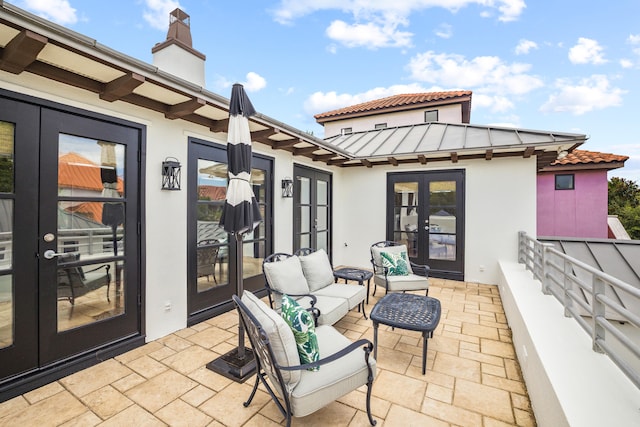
x: 395, y: 101
x: 577, y: 157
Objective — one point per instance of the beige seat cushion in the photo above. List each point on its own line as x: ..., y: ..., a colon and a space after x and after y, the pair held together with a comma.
x: 317, y: 270
x: 280, y: 336
x: 331, y: 308
x: 411, y: 282
x: 354, y: 294
x: 286, y: 276
x: 333, y: 380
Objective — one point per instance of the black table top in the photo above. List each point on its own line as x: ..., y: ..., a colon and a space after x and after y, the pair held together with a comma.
x: 407, y: 311
x: 350, y: 273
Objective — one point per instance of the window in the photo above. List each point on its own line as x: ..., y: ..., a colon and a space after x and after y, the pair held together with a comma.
x: 346, y: 131
x: 565, y: 182
x: 431, y: 116
x: 381, y: 126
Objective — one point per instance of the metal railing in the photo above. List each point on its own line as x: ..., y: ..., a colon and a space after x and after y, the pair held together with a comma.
x: 590, y: 303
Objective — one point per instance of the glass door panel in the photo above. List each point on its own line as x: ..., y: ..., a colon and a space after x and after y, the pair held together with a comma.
x: 311, y: 209
x: 442, y: 220
x: 7, y: 296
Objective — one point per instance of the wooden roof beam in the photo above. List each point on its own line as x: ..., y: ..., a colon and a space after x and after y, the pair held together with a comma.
x: 422, y: 159
x: 454, y: 157
x: 528, y: 152
x: 265, y: 133
x: 306, y: 150
x: 22, y: 51
x: 393, y: 161
x: 220, y: 125
x: 182, y: 109
x: 367, y: 163
x: 337, y: 161
x: 121, y: 87
x: 488, y: 155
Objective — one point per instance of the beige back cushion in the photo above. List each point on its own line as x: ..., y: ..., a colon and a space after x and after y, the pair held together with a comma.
x: 317, y: 270
x: 283, y: 343
x: 375, y: 251
x: 286, y: 276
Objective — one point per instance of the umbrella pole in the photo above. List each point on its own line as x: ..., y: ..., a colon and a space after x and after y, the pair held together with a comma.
x: 239, y: 291
x: 240, y: 363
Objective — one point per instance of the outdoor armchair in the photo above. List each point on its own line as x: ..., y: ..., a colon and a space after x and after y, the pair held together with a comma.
x: 393, y: 270
x: 297, y: 391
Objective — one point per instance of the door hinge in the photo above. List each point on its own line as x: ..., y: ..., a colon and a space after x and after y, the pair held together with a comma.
x: 139, y: 300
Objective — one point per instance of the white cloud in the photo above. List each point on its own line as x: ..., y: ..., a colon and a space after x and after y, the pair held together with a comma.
x: 524, y: 46
x: 634, y: 39
x: 58, y: 11
x: 626, y: 63
x: 587, y: 51
x: 589, y: 94
x: 493, y: 81
x: 444, y: 31
x: 375, y: 23
x: 320, y: 102
x: 370, y: 35
x: 255, y: 82
x: 157, y: 12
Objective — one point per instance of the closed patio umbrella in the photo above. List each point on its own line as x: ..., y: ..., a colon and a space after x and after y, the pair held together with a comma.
x: 240, y: 215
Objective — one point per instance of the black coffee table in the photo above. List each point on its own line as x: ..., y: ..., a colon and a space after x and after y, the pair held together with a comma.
x: 350, y: 273
x: 407, y: 311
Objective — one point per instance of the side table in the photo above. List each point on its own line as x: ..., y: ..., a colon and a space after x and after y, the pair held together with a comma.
x: 407, y: 311
x: 350, y: 273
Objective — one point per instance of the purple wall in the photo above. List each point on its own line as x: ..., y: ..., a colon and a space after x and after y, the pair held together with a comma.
x: 581, y: 212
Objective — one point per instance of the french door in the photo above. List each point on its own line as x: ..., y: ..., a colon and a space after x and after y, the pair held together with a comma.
x: 69, y: 244
x: 425, y: 211
x: 212, y: 252
x: 312, y: 195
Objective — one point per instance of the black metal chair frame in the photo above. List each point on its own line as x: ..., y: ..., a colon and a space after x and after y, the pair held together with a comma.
x: 418, y: 269
x: 73, y: 277
x: 265, y: 357
x: 280, y: 256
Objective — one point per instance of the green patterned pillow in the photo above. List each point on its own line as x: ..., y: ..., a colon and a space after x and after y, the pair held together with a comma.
x: 304, y: 330
x: 397, y: 263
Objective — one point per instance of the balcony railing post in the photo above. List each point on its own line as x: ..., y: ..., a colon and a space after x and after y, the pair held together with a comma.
x: 521, y: 247
x: 597, y: 311
x: 568, y: 287
x: 545, y: 271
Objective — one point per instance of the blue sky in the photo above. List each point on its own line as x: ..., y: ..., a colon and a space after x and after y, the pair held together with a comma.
x: 568, y: 65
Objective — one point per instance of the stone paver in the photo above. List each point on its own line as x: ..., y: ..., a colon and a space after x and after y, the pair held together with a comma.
x: 473, y: 377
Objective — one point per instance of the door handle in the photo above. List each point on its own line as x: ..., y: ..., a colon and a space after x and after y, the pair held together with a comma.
x: 51, y: 254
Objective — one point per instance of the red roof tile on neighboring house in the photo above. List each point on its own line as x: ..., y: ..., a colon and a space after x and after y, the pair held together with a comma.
x: 75, y: 171
x: 396, y: 101
x: 211, y: 192
x: 578, y: 157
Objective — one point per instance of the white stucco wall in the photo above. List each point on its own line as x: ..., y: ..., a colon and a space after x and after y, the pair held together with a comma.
x: 446, y: 114
x: 177, y: 61
x: 500, y: 200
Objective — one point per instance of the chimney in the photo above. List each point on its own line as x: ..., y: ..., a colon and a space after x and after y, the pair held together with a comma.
x: 176, y: 55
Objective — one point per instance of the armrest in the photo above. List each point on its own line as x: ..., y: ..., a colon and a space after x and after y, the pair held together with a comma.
x: 419, y: 269
x: 378, y: 269
x: 315, y: 312
x: 364, y: 344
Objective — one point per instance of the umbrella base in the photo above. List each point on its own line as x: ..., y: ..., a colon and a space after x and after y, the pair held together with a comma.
x: 231, y: 366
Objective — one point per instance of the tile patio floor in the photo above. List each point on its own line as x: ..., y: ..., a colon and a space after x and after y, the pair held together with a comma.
x: 473, y: 378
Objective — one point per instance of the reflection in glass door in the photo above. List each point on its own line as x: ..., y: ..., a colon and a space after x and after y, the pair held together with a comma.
x: 311, y: 209
x: 211, y: 258
x: 428, y: 216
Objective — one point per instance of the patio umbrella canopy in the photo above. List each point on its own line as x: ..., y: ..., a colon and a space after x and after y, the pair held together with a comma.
x: 240, y: 215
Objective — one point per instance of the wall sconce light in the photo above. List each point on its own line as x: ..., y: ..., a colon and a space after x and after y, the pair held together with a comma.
x: 287, y: 187
x: 171, y: 174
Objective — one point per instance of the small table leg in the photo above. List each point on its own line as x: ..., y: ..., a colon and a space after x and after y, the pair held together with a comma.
x: 425, y: 337
x: 375, y: 340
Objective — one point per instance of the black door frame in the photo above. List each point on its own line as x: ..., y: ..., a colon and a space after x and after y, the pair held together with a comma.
x: 439, y: 268
x: 205, y: 305
x: 314, y: 175
x: 27, y: 251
